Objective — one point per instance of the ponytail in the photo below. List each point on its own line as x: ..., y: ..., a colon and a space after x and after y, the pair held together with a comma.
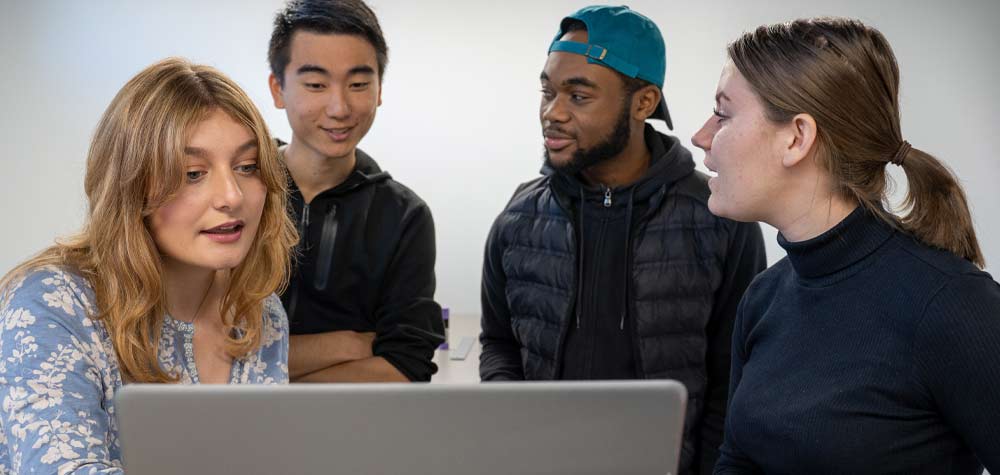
x: 844, y: 74
x: 937, y: 212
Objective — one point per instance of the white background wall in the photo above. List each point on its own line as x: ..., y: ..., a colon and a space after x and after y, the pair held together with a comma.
x: 459, y: 120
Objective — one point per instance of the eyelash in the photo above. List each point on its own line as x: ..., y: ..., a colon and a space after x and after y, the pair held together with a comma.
x: 245, y: 170
x: 548, y: 95
x: 315, y: 86
x: 718, y: 114
x: 253, y: 167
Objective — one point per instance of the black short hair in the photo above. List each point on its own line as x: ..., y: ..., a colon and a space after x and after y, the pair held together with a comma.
x: 336, y: 17
x: 632, y: 85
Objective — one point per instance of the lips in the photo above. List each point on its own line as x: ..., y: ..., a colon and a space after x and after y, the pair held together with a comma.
x: 225, y: 233
x: 556, y: 141
x: 338, y: 134
x: 708, y: 164
x: 226, y: 228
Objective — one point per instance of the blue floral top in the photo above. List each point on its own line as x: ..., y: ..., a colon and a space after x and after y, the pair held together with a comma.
x: 59, y: 374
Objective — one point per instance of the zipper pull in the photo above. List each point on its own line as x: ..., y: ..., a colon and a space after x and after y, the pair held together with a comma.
x: 607, y: 197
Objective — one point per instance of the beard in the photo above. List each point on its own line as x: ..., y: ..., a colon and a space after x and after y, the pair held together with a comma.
x: 609, y: 147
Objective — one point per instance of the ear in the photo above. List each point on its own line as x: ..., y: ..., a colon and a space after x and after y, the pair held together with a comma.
x: 644, y: 102
x: 799, y: 140
x: 276, y: 91
x: 379, y: 94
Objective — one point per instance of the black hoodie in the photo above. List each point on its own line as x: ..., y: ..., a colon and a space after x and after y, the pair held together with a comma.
x: 600, y: 343
x: 366, y: 263
x: 570, y: 291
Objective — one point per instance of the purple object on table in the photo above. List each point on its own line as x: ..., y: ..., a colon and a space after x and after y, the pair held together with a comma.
x: 444, y: 316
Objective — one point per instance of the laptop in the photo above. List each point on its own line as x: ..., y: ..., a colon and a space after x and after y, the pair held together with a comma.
x: 632, y: 427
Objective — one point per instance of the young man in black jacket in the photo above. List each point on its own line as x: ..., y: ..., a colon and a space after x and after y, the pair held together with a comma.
x: 610, y: 266
x: 360, y: 302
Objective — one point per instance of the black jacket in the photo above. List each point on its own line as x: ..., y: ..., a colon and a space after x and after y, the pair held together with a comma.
x: 366, y: 263
x: 684, y: 275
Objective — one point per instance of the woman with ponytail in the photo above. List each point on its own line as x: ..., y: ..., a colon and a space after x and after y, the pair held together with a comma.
x: 874, y: 346
x: 171, y: 280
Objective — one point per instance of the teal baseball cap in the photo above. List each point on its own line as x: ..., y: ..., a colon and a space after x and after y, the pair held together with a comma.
x: 623, y: 40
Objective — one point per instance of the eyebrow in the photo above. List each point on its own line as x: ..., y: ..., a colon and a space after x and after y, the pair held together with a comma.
x: 361, y: 69
x: 573, y: 81
x: 722, y: 95
x: 202, y: 153
x: 312, y: 68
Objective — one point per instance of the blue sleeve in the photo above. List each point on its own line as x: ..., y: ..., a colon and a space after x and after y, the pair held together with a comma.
x: 52, y: 379
x: 279, y: 337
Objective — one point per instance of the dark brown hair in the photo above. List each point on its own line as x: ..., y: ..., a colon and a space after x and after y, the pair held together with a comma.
x: 844, y: 74
x: 327, y: 17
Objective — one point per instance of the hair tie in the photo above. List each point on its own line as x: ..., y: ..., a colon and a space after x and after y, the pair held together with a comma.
x: 904, y: 148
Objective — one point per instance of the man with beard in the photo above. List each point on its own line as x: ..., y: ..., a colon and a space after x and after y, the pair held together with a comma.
x: 610, y: 265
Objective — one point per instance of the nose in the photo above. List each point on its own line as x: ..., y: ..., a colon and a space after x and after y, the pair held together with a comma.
x: 553, y: 111
x: 226, y: 192
x: 703, y: 138
x: 337, y: 106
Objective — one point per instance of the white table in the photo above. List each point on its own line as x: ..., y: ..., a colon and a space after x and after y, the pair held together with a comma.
x: 459, y: 371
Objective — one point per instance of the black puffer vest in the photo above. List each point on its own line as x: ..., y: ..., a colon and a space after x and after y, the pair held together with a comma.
x: 677, y: 254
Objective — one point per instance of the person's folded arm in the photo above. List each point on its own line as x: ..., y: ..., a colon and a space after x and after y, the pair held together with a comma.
x: 314, y: 352
x: 368, y: 370
x: 408, y: 324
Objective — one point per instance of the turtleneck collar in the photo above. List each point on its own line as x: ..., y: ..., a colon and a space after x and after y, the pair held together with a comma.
x: 847, y: 243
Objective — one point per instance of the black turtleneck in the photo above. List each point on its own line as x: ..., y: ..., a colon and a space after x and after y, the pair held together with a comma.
x: 865, y: 351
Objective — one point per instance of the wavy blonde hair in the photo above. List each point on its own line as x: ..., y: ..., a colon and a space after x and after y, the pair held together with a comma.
x: 134, y: 166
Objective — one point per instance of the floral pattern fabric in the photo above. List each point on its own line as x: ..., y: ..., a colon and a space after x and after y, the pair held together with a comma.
x: 59, y: 374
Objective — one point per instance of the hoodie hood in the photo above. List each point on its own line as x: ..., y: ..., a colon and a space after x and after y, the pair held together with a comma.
x: 669, y: 162
x: 366, y: 172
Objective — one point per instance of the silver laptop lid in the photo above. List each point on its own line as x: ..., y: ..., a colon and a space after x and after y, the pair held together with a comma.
x: 630, y: 427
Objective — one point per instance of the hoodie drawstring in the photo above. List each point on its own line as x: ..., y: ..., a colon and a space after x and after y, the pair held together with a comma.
x: 579, y: 270
x: 628, y: 236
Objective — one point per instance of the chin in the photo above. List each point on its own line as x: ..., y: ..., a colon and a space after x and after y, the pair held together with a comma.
x: 718, y: 207
x: 224, y: 262
x: 558, y: 161
x: 721, y: 209
x: 340, y: 149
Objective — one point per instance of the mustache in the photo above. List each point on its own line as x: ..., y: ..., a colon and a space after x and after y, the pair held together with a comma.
x: 556, y: 131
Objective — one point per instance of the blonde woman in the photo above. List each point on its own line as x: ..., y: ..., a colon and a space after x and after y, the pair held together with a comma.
x: 171, y: 280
